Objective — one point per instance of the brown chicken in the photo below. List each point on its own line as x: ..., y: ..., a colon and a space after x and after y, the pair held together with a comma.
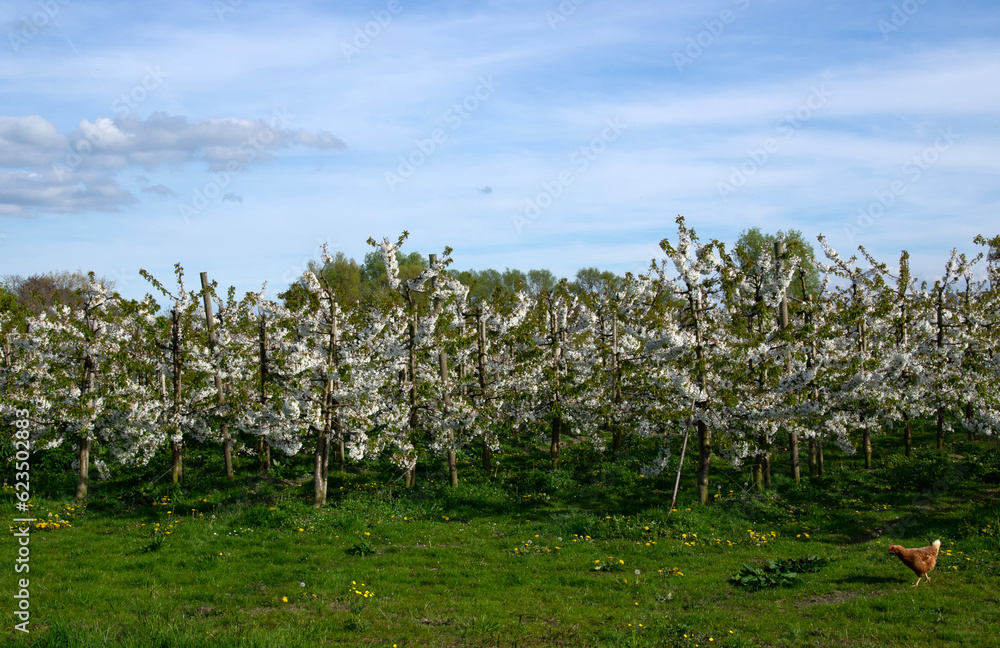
x: 921, y: 560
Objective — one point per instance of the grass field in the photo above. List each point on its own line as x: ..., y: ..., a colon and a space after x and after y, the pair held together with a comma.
x: 582, y: 556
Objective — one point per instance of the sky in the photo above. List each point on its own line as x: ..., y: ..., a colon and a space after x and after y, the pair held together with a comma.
x: 236, y: 137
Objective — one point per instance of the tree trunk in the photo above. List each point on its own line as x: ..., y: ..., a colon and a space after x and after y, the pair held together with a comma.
x: 557, y: 339
x: 326, y: 467
x: 940, y: 428
x: 410, y: 476
x: 341, y: 453
x: 446, y: 406
x: 263, y: 457
x: 263, y: 447
x: 758, y: 472
x: 907, y: 435
x: 793, y: 439
x: 940, y: 345
x: 332, y: 428
x: 813, y: 466
x: 227, y: 442
x: 487, y: 454
x: 556, y: 440
x: 866, y: 434
x: 227, y: 452
x: 819, y: 455
x: 704, y: 461
x: 617, y: 431
x: 487, y: 459
x: 83, y: 455
x: 765, y: 461
x: 176, y: 447
x: 704, y: 433
x: 177, y: 462
x: 319, y: 498
x: 84, y: 442
x: 793, y: 454
x: 322, y: 452
x: 452, y: 468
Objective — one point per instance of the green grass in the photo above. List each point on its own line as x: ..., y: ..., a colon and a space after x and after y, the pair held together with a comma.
x: 512, y: 562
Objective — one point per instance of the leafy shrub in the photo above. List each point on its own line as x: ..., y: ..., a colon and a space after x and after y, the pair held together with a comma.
x: 155, y: 544
x: 776, y: 573
x: 362, y: 548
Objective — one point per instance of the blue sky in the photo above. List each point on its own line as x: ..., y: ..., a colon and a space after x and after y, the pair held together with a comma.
x: 235, y: 137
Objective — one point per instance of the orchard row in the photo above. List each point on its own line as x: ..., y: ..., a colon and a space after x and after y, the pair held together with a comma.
x: 738, y: 350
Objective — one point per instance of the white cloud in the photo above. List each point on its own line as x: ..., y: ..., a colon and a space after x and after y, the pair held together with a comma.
x: 42, y: 170
x: 160, y: 190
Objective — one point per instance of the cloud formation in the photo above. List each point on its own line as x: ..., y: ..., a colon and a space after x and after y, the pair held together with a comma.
x: 160, y: 190
x: 45, y: 171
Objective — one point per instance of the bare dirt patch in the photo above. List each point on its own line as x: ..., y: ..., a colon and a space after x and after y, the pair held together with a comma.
x: 836, y: 596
